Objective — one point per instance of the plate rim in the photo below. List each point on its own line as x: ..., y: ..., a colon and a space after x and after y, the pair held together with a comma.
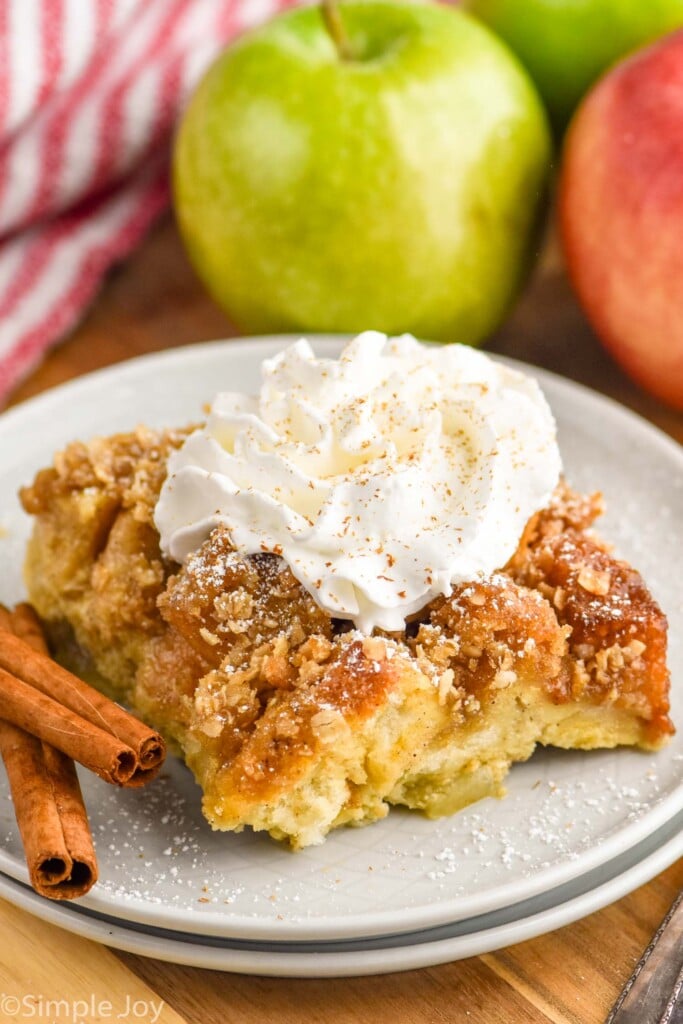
x: 179, y: 353
x: 385, y: 922
x: 317, y: 963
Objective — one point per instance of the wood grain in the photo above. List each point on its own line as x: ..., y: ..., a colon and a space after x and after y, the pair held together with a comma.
x: 41, y: 964
x: 571, y: 976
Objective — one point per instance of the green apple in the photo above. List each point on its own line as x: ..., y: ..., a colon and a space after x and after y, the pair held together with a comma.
x: 388, y: 178
x: 567, y: 44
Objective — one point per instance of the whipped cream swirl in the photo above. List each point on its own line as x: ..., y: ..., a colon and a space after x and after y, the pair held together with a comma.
x: 382, y: 477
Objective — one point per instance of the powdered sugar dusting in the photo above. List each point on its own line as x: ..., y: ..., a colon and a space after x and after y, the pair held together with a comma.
x: 364, y: 879
x: 156, y: 851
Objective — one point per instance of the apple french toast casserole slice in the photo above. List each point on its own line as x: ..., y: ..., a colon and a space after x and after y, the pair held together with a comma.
x: 294, y: 722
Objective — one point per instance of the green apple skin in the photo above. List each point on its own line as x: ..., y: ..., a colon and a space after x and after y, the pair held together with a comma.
x: 567, y: 44
x: 398, y: 190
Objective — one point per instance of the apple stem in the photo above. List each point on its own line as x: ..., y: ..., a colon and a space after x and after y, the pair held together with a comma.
x: 335, y: 27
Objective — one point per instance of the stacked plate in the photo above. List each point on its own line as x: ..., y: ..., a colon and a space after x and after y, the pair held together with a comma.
x: 576, y: 831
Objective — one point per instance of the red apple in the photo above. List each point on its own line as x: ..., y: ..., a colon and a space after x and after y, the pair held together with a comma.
x: 621, y: 214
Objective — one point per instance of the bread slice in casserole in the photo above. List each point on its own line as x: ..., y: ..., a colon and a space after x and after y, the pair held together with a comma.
x: 295, y: 723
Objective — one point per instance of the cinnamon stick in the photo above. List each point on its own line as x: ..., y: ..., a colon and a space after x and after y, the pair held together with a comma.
x: 25, y: 706
x: 19, y: 660
x: 48, y: 804
x: 23, y: 622
x: 50, y: 815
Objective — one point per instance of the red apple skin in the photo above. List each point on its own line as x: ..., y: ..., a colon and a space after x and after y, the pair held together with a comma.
x: 621, y: 214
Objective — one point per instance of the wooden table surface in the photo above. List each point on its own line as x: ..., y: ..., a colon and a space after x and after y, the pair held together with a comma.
x: 571, y: 976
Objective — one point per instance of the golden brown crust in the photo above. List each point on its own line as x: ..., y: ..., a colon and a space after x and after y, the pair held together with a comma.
x: 617, y: 634
x: 294, y: 723
x: 500, y: 629
x: 292, y: 731
x: 93, y: 560
x: 225, y: 605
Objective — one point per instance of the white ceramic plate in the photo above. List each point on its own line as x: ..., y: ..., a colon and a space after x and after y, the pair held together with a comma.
x: 566, y: 813
x: 527, y: 920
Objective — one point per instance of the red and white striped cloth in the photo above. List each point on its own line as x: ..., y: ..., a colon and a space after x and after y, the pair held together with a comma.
x: 89, y: 93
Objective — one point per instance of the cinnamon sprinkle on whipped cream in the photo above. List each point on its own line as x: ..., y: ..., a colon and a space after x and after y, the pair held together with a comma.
x: 382, y: 478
